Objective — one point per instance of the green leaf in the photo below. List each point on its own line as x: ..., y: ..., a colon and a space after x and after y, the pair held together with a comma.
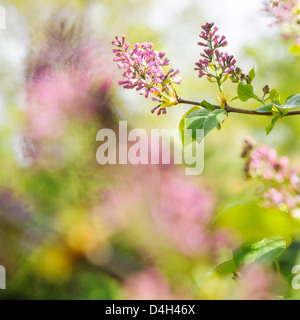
x: 223, y: 269
x: 269, y: 127
x: 261, y: 252
x: 195, y: 120
x: 265, y: 108
x: 245, y: 92
x: 214, y: 119
x: 274, y: 96
x: 292, y: 102
x: 182, y: 125
x: 251, y: 75
x: 207, y: 105
x: 200, y: 119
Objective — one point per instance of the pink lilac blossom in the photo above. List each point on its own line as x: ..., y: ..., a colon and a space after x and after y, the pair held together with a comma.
x: 281, y: 181
x: 144, y: 67
x: 145, y: 73
x: 221, y: 62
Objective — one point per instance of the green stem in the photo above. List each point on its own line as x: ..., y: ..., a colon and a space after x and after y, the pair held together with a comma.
x: 219, y: 84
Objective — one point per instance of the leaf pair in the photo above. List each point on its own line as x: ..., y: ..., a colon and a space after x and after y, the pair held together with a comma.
x: 203, y: 119
x: 291, y: 103
x: 277, y: 109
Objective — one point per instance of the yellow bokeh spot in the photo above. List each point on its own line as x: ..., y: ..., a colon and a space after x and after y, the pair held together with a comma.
x: 83, y: 238
x: 53, y: 264
x: 295, y: 49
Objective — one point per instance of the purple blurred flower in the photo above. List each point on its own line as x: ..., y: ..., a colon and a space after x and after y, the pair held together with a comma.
x: 12, y: 209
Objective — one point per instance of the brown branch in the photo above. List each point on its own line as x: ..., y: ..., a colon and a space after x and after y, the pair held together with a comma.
x: 237, y: 110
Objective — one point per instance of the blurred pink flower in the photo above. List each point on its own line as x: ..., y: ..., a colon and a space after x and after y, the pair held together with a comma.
x: 148, y: 285
x: 68, y: 83
x: 183, y: 212
x: 282, y: 9
x: 286, y: 13
x: 68, y: 78
x: 55, y: 97
x: 274, y: 196
x: 282, y: 180
x: 179, y: 210
x: 256, y: 283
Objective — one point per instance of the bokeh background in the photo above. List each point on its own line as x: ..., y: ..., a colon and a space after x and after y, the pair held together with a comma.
x: 72, y: 229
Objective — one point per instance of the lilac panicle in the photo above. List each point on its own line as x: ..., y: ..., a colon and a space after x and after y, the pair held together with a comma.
x: 144, y: 70
x: 214, y: 63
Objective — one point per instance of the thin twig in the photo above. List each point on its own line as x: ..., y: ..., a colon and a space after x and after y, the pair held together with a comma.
x: 237, y: 110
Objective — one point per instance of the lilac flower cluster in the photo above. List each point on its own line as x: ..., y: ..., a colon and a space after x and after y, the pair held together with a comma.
x: 281, y: 181
x: 214, y: 60
x: 144, y: 70
x: 287, y: 15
